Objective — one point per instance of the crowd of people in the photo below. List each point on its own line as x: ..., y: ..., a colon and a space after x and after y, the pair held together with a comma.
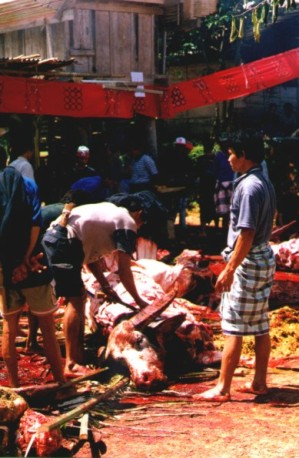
x: 104, y: 210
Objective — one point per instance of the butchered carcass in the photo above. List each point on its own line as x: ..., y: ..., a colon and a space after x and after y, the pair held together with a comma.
x: 287, y: 254
x: 44, y: 443
x: 168, y: 333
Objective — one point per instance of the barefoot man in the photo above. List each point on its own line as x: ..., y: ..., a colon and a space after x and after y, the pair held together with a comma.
x: 246, y: 280
x: 82, y: 236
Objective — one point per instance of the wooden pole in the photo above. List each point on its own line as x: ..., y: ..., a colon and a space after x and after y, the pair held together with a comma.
x: 77, y: 411
x: 55, y: 386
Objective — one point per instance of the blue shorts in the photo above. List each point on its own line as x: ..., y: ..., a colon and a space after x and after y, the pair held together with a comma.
x: 65, y: 258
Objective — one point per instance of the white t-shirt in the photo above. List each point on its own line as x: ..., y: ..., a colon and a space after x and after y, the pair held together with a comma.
x: 96, y: 226
x: 23, y: 166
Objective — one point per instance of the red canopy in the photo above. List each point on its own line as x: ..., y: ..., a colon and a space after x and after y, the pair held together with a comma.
x: 42, y: 97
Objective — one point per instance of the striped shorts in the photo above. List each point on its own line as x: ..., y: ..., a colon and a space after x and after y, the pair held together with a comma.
x: 244, y: 309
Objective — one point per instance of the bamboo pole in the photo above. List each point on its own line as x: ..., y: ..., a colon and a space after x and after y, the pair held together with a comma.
x: 38, y: 389
x: 77, y: 411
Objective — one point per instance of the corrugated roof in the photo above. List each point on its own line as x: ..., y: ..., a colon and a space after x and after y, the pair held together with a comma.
x: 31, y: 65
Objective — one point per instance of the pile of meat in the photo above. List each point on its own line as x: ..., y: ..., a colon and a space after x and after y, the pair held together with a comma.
x: 287, y: 254
x: 29, y: 438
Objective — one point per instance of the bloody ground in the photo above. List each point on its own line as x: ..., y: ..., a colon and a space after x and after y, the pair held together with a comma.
x: 248, y: 426
x: 170, y: 423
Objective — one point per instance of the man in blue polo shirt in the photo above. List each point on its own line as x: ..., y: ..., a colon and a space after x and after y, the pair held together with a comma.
x: 246, y: 280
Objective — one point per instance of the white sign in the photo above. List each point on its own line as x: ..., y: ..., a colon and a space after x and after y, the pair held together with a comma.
x: 137, y: 77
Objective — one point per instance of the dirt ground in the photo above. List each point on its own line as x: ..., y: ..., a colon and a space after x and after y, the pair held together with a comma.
x: 249, y: 426
x: 170, y: 423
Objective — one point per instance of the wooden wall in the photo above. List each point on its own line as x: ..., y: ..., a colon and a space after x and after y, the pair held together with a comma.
x: 113, y: 43
x: 110, y: 43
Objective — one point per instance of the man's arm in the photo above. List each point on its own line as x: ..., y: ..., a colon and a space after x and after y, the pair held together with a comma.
x: 97, y: 271
x: 34, y: 234
x: 127, y: 279
x: 242, y: 248
x: 20, y: 272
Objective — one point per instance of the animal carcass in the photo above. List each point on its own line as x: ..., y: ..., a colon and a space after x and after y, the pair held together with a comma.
x: 169, y: 332
x: 45, y: 444
x: 287, y: 254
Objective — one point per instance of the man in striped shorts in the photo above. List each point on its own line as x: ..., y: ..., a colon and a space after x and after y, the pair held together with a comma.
x: 246, y: 280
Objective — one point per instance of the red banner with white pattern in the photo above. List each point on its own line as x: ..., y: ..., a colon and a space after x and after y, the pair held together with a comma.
x: 84, y: 99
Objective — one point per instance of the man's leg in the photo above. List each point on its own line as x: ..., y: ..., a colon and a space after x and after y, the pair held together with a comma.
x: 9, y: 353
x: 262, y: 354
x: 51, y: 347
x: 230, y: 358
x: 33, y: 325
x: 73, y: 326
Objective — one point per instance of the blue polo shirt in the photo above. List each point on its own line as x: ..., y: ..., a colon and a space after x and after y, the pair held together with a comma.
x: 253, y: 207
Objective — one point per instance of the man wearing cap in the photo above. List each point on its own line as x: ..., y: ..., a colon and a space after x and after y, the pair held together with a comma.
x: 83, y: 236
x: 81, y: 168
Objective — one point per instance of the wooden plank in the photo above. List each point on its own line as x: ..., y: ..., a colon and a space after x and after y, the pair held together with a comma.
x: 67, y: 28
x: 149, y: 2
x: 83, y: 40
x: 83, y: 29
x: 102, y: 37
x: 35, y: 42
x: 121, y: 29
x: 23, y: 24
x: 123, y: 7
x: 13, y: 44
x: 83, y: 64
x: 59, y: 40
x: 146, y: 57
x: 82, y: 52
x: 2, y: 45
x: 203, y: 8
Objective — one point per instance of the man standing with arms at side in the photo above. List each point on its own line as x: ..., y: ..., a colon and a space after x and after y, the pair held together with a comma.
x: 20, y: 280
x: 246, y: 280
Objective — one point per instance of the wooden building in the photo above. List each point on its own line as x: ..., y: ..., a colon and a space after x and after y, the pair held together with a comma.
x: 107, y: 38
x: 102, y: 40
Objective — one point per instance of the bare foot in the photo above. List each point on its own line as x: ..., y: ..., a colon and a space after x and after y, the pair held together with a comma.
x: 213, y: 395
x: 77, y: 370
x: 253, y: 389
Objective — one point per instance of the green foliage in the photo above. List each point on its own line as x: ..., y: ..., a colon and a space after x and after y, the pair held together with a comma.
x: 217, y: 32
x: 196, y: 152
x: 204, y: 42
